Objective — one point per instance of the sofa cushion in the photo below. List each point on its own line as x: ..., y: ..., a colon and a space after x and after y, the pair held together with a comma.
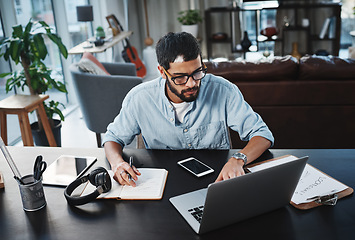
x: 278, y: 68
x: 324, y: 68
x: 88, y: 63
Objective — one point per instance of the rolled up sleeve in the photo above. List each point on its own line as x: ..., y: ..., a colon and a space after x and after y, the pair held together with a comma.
x: 124, y: 127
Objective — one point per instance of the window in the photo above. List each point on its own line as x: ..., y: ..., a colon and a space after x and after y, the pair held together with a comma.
x: 13, y: 128
x: 4, y: 67
x: 42, y: 10
x: 78, y: 31
x: 37, y: 10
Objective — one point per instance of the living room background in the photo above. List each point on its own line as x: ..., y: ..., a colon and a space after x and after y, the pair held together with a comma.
x: 162, y: 17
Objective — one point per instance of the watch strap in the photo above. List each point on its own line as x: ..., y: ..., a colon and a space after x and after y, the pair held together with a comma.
x: 241, y: 156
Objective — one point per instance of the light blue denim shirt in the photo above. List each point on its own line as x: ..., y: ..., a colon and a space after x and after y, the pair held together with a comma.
x: 219, y: 105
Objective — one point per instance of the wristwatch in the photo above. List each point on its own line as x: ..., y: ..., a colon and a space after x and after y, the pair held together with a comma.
x: 241, y: 156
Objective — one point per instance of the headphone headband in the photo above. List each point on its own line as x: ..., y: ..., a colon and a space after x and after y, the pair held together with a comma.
x: 98, y: 177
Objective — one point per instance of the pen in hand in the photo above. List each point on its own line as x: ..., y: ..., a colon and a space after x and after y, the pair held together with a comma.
x: 130, y: 164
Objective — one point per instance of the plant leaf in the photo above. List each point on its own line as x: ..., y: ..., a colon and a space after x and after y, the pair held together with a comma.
x: 40, y: 46
x: 44, y: 24
x: 26, y: 34
x: 14, y: 49
x: 58, y: 41
x: 2, y: 75
x: 62, y: 87
x: 28, y: 27
x: 52, y: 108
x: 4, y: 41
x: 17, y: 31
x: 7, y: 54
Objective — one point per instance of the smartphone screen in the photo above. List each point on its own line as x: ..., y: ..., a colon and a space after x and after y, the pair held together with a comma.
x: 195, y: 166
x: 66, y: 169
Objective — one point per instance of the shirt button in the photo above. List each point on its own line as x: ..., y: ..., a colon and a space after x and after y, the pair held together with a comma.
x: 189, y: 145
x: 186, y: 130
x: 171, y: 119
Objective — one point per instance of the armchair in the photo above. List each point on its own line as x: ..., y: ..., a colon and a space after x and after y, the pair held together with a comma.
x: 100, y: 96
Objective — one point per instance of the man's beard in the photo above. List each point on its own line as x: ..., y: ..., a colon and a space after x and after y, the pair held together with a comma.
x: 181, y: 95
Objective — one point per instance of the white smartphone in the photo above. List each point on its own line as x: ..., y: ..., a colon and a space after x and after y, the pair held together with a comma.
x: 196, y: 167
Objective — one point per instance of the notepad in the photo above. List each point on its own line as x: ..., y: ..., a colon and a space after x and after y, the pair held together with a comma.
x: 149, y: 186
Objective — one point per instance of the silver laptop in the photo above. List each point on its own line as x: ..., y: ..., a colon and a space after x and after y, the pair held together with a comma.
x: 237, y: 199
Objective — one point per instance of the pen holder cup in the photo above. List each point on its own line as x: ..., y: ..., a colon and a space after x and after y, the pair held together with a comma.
x: 32, y: 193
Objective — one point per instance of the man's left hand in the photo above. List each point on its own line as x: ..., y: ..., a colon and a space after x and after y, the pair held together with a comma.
x: 233, y: 168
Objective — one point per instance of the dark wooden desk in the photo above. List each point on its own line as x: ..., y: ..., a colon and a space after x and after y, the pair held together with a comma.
x: 111, y: 219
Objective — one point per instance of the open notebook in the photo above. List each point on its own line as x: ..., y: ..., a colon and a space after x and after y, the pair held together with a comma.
x: 149, y: 186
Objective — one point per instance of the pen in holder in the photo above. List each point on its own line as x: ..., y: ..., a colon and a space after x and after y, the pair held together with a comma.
x: 10, y: 161
x: 31, y: 187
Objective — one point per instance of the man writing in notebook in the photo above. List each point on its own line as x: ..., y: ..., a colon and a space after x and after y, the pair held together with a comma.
x: 185, y: 108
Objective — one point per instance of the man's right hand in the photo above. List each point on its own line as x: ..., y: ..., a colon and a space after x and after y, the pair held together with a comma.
x: 122, y: 171
x: 120, y: 168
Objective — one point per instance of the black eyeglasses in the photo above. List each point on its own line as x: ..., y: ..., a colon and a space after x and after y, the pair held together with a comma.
x: 196, y: 76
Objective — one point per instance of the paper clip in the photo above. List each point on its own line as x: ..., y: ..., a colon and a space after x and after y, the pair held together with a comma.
x: 329, y: 199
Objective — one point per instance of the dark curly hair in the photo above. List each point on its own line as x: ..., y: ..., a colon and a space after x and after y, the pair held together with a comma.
x: 172, y: 45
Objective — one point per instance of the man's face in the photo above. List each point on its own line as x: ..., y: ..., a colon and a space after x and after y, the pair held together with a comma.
x: 187, y: 92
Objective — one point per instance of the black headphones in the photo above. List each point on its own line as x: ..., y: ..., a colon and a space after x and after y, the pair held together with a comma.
x: 98, y: 177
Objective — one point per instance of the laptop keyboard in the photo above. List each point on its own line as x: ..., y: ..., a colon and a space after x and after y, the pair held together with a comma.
x: 197, y: 213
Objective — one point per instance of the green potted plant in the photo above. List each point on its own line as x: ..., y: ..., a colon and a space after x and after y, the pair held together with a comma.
x: 27, y: 47
x: 100, y: 32
x: 189, y: 20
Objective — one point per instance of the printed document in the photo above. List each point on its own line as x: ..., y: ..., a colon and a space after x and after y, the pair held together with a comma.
x: 311, y: 184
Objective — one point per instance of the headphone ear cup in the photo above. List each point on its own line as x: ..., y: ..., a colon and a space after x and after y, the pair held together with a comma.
x: 99, y: 177
x: 94, y: 173
x: 104, y: 180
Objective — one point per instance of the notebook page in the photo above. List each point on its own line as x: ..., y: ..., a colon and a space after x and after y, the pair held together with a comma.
x: 149, y: 185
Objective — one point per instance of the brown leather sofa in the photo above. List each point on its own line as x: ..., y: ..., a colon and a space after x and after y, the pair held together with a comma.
x: 310, y: 104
